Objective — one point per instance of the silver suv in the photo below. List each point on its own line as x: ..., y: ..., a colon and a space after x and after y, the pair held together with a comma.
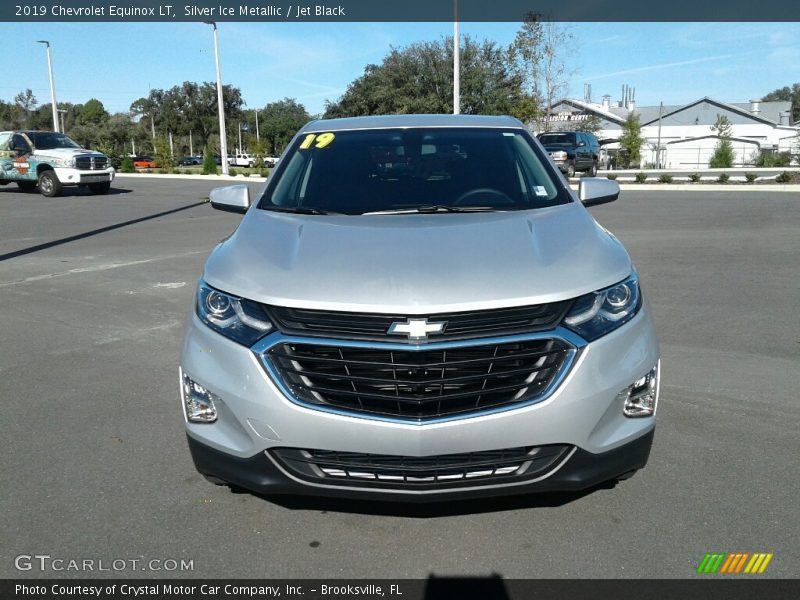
x: 418, y: 308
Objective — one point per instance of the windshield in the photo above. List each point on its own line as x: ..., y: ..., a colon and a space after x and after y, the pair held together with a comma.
x: 557, y: 139
x: 47, y: 140
x: 378, y: 170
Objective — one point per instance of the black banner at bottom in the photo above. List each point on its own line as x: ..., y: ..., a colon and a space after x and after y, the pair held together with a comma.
x: 433, y: 588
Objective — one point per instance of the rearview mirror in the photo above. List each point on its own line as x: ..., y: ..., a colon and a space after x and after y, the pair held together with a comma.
x: 595, y: 190
x: 231, y: 198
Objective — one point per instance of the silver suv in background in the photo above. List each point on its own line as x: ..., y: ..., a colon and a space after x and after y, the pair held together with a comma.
x: 418, y: 308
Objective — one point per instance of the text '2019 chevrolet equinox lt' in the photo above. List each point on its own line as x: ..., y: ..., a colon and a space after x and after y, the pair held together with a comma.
x: 418, y: 308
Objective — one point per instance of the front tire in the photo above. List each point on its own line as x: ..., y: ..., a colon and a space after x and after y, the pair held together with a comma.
x: 593, y: 170
x: 570, y: 169
x: 49, y: 185
x: 100, y: 188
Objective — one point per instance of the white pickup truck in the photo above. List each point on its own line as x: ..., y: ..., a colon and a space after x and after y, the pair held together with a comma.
x: 51, y: 161
x: 242, y: 160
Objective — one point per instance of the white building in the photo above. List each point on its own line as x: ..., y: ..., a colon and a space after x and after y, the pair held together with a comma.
x: 686, y: 138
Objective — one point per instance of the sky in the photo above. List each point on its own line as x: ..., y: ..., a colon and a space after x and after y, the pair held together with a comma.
x: 117, y: 63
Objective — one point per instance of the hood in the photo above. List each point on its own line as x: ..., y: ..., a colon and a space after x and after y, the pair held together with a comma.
x: 65, y: 152
x: 417, y: 264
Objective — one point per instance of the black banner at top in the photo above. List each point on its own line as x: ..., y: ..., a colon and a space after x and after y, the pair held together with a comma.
x: 395, y: 10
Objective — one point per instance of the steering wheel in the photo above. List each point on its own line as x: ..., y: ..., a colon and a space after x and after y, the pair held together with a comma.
x: 496, y: 197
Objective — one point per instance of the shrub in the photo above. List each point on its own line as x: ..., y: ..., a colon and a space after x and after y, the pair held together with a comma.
x: 694, y: 177
x: 232, y: 172
x: 612, y: 177
x: 126, y: 166
x: 750, y: 177
x: 769, y: 159
x: 209, y: 166
x: 641, y: 177
x: 665, y: 178
x: 264, y: 172
x: 723, y: 178
x: 784, y: 177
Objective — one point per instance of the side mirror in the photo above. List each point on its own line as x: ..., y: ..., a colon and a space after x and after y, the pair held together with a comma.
x: 581, y: 144
x: 232, y: 198
x: 595, y: 190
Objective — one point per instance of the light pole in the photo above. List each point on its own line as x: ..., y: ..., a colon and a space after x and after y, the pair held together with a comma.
x: 52, y: 84
x: 61, y: 113
x: 456, y: 62
x: 223, y: 142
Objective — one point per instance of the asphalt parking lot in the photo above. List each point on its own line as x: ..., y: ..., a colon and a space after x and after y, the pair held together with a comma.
x: 94, y: 291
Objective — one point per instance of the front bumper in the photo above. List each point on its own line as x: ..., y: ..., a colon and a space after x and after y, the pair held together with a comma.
x: 584, y: 412
x: 69, y: 176
x: 263, y: 475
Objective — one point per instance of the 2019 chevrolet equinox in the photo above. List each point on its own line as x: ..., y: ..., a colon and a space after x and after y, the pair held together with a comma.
x: 418, y: 308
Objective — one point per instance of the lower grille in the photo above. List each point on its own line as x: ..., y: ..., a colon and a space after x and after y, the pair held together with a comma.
x: 419, y: 384
x: 392, y: 471
x: 91, y: 163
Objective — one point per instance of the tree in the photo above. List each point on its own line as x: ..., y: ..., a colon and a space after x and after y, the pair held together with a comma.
x: 630, y: 142
x: 187, y: 107
x: 27, y: 102
x: 787, y: 94
x: 538, y: 57
x: 279, y: 121
x: 419, y: 79
x: 723, y: 152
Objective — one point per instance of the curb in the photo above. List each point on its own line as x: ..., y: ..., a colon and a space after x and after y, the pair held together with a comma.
x: 226, y: 178
x: 635, y: 187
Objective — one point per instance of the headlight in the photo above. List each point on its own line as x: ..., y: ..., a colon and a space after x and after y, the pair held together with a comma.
x: 596, y: 314
x: 243, y: 321
x: 63, y: 162
x: 559, y: 155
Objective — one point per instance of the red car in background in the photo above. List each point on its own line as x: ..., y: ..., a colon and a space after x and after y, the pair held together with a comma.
x: 144, y: 162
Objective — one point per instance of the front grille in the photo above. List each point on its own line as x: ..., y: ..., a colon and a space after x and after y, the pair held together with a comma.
x: 460, y: 325
x: 91, y: 163
x: 456, y: 470
x: 419, y: 384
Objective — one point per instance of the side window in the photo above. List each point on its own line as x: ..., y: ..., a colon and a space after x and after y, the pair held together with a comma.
x: 19, y: 143
x: 5, y: 138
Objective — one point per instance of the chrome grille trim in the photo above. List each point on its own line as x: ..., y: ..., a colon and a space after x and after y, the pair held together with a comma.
x: 573, y: 344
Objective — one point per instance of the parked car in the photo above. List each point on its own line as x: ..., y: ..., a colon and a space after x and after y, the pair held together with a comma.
x: 271, y: 161
x: 188, y: 161
x: 50, y: 161
x: 144, y: 162
x: 572, y: 151
x: 418, y: 308
x: 242, y: 160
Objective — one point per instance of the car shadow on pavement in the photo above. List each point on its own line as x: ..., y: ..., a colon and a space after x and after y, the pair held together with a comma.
x: 86, y: 234
x: 443, y: 508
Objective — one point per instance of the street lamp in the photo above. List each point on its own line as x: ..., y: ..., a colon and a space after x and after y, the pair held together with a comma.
x: 456, y: 62
x: 61, y: 113
x: 52, y: 84
x: 223, y: 142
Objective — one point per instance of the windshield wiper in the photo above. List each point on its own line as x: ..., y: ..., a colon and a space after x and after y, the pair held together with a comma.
x: 435, y: 208
x: 300, y: 210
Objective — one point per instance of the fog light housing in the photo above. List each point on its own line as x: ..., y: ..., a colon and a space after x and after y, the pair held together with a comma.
x: 641, y: 397
x: 198, y: 402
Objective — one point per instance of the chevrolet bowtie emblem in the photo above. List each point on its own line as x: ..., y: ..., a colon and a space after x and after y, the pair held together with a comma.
x: 416, y: 329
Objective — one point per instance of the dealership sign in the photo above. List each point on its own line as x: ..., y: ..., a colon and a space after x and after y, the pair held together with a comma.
x: 568, y: 116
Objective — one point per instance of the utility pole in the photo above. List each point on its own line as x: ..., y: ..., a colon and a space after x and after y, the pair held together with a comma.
x: 52, y: 85
x: 658, y: 146
x: 239, y: 151
x: 223, y: 138
x: 191, y: 148
x: 258, y: 136
x: 456, y: 62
